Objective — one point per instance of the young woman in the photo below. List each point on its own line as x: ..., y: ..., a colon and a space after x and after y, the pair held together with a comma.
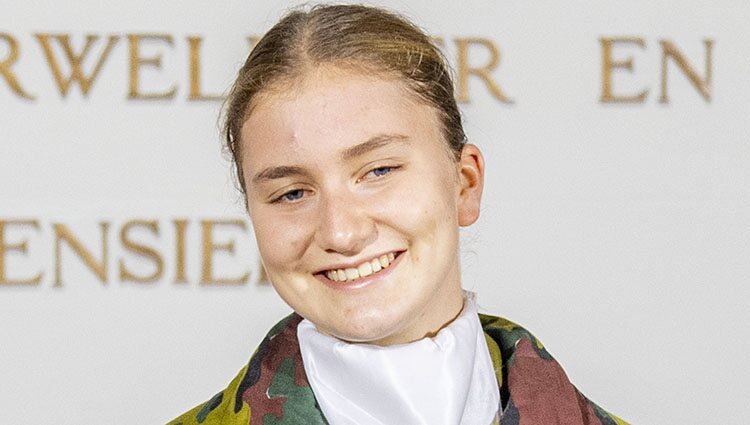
x: 349, y: 148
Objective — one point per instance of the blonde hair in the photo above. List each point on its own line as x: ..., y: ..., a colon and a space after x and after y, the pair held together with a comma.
x: 350, y: 36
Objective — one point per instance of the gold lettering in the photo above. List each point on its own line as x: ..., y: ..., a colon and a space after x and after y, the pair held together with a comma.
x: 209, y: 247
x: 608, y: 64
x: 141, y: 250
x: 75, y: 60
x: 194, y: 45
x: 21, y: 247
x: 6, y: 72
x: 136, y: 62
x: 180, y: 227
x: 669, y: 50
x: 62, y: 233
x: 465, y: 70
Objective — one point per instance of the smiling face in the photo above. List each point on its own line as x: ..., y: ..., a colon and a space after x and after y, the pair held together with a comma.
x: 356, y: 203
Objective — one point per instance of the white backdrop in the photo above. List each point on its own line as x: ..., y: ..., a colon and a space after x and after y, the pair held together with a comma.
x: 617, y: 232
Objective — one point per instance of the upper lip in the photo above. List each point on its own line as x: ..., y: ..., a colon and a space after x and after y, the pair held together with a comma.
x: 354, y: 264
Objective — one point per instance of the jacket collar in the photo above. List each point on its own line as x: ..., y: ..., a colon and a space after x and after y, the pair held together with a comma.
x: 533, y: 386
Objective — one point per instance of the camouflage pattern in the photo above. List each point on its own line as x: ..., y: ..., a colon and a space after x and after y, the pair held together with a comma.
x: 273, y: 388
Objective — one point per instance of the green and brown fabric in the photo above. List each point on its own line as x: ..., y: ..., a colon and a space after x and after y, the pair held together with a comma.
x: 272, y: 389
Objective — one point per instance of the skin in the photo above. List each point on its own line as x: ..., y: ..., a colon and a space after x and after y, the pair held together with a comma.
x: 405, y: 194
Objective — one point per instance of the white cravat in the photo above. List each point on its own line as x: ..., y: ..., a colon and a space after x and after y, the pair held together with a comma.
x: 448, y: 379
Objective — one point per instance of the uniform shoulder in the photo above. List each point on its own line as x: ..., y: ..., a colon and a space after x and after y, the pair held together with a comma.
x: 225, y: 408
x: 528, y: 370
x: 230, y: 406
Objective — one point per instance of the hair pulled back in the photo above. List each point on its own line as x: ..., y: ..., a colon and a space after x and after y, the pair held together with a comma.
x: 359, y: 37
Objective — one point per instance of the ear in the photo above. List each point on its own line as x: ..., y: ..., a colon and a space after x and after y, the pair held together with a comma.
x: 471, y: 175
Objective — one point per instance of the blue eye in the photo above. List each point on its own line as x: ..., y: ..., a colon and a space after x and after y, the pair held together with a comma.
x: 381, y: 171
x: 291, y: 196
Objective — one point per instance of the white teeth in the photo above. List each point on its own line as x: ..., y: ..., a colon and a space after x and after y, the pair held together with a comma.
x: 375, y: 264
x: 365, y: 269
x: 351, y: 274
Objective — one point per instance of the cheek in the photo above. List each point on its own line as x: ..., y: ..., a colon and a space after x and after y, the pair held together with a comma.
x: 423, y: 206
x: 280, y: 240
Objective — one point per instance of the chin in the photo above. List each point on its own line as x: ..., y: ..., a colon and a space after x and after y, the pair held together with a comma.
x: 372, y: 328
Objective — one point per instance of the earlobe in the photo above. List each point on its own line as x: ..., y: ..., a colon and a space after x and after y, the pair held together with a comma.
x: 471, y: 175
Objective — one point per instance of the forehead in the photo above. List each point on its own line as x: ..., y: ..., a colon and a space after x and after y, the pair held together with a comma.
x: 330, y: 110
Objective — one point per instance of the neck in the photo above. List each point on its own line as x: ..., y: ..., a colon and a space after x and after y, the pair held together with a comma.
x: 428, y: 323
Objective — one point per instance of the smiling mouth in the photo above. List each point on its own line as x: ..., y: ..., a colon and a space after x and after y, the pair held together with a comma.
x: 364, y: 269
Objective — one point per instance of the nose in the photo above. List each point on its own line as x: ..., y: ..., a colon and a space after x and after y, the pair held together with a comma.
x: 344, y: 227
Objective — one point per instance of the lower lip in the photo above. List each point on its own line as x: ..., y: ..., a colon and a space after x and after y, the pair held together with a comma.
x: 363, y: 281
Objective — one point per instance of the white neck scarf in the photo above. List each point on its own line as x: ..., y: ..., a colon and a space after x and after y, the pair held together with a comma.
x: 448, y: 379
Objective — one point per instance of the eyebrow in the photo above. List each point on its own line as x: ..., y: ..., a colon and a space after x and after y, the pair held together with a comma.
x: 373, y: 143
x: 279, y: 172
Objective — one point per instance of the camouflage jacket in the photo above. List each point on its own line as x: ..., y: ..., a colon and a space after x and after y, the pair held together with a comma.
x: 273, y: 388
